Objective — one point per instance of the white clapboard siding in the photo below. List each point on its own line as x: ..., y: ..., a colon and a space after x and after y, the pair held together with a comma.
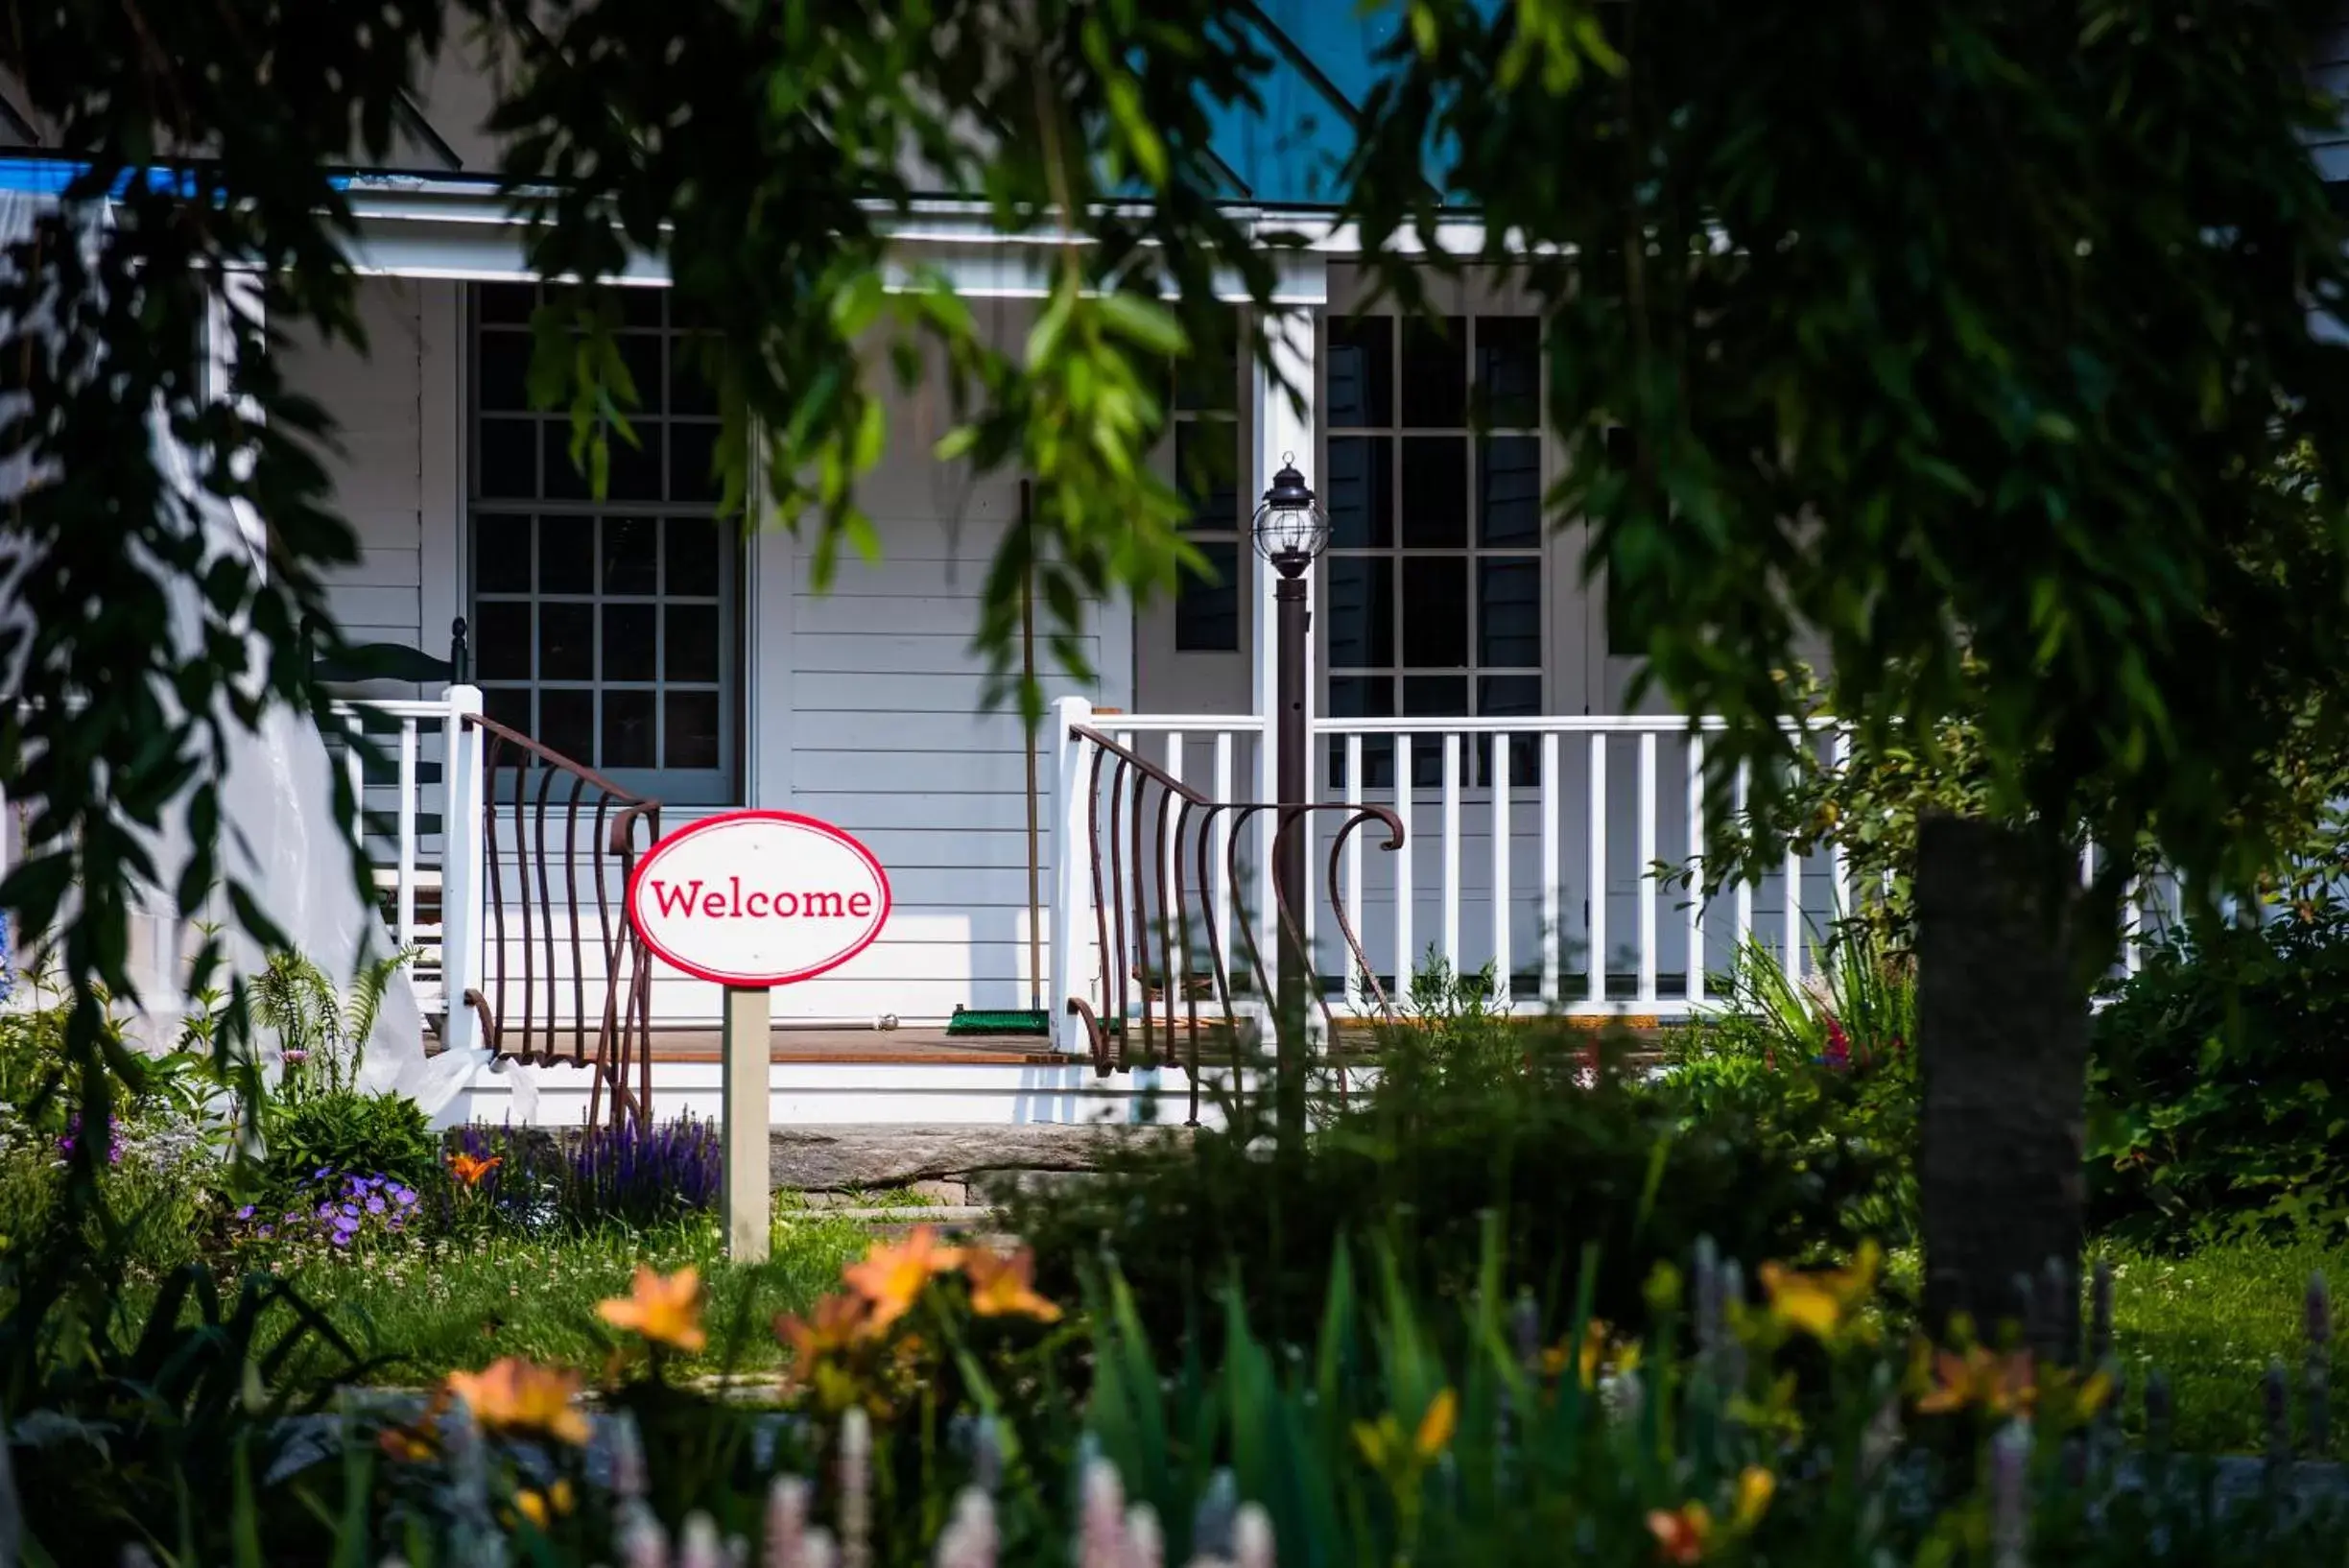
x: 376, y: 401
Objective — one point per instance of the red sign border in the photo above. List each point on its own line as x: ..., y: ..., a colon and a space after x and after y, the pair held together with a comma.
x: 668, y: 841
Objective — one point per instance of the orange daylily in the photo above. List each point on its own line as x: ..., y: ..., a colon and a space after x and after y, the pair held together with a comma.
x: 469, y: 1169
x: 1817, y: 1302
x: 1998, y: 1385
x: 838, y: 1322
x: 1003, y: 1285
x: 511, y: 1395
x: 538, y: 1507
x: 664, y: 1308
x: 1382, y: 1442
x: 892, y: 1277
x: 1681, y: 1533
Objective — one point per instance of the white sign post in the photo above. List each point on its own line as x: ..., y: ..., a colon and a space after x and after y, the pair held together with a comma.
x: 752, y: 900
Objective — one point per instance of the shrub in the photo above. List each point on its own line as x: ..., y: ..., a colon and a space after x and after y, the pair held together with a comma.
x: 1434, y: 1153
x: 331, y: 1133
x: 2218, y: 1092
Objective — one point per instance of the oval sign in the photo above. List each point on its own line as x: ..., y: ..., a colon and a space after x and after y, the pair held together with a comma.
x: 758, y: 898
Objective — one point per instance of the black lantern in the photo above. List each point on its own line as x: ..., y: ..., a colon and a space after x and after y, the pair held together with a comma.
x: 1291, y: 527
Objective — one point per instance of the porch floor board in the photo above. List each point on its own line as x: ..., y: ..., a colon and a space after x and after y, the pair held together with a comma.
x: 930, y: 1047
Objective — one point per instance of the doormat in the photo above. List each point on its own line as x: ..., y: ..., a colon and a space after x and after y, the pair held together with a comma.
x: 1009, y: 1021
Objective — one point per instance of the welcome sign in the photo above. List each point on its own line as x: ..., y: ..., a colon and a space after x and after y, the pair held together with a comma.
x: 758, y: 898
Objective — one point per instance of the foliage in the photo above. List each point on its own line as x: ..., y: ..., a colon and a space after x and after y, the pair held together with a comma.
x: 332, y: 1134
x: 349, y: 1215
x: 138, y: 1426
x: 1479, y: 1429
x: 2217, y: 1088
x: 321, y: 1033
x: 1422, y: 1156
x: 2019, y: 499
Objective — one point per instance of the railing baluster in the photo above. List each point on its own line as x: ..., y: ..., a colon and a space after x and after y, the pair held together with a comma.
x: 1171, y: 867
x: 1739, y: 802
x: 1842, y: 890
x: 1451, y: 850
x: 1216, y: 896
x: 1405, y: 961
x: 404, y: 893
x: 2132, y: 917
x: 1646, y: 885
x: 1354, y: 851
x: 1697, y: 878
x: 1501, y: 958
x: 354, y: 768
x: 1551, y: 937
x: 1595, y: 962
x: 1793, y: 915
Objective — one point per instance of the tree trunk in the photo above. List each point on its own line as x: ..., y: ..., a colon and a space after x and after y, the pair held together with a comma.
x: 2003, y: 1043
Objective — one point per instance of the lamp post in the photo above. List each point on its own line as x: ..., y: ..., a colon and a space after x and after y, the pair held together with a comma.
x: 1290, y: 530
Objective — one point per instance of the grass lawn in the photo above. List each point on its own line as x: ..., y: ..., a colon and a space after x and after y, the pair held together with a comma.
x: 2211, y: 1321
x: 432, y: 1311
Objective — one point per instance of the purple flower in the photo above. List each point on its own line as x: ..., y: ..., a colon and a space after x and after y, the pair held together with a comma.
x: 350, y: 1211
x: 373, y: 1182
x: 404, y: 1197
x: 294, y: 1058
x: 292, y: 1215
x: 341, y: 1237
x: 268, y: 1231
x: 245, y: 1213
x: 321, y: 1173
x: 374, y: 1205
x: 325, y: 1211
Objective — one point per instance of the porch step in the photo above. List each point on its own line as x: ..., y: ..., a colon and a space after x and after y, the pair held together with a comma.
x: 871, y: 1157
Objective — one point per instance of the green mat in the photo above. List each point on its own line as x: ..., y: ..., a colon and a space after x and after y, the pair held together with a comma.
x: 1010, y: 1021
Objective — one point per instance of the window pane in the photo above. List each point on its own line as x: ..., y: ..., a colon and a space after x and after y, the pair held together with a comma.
x: 642, y: 355
x: 1435, y: 615
x: 566, y: 722
x: 1508, y: 491
x: 692, y: 457
x: 636, y: 465
x: 1435, y: 492
x: 691, y: 721
x: 502, y: 640
x: 565, y: 481
x: 1360, y: 613
x: 641, y: 307
x: 1361, y: 372
x: 631, y: 555
x: 1363, y: 697
x: 1209, y: 378
x: 1436, y: 373
x: 628, y: 642
x: 627, y: 730
x: 1207, y: 610
x: 1434, y: 697
x: 508, y: 706
x: 566, y: 554
x: 504, y: 387
x: 501, y: 553
x: 566, y: 642
x: 1508, y: 370
x: 693, y: 557
x: 689, y: 649
x: 507, y: 454
x: 1207, y: 471
x: 689, y: 393
x: 1360, y: 497
x: 1509, y: 696
x: 509, y: 303
x: 1508, y: 612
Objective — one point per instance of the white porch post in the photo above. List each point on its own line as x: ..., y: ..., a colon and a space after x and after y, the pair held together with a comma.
x: 461, y: 873
x: 1072, y: 873
x: 1286, y: 429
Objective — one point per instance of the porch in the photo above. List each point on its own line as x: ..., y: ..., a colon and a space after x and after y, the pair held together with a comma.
x: 1537, y: 850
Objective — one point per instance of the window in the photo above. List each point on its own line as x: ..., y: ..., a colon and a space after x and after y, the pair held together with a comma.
x: 1432, y: 588
x: 1207, y: 473
x: 604, y: 629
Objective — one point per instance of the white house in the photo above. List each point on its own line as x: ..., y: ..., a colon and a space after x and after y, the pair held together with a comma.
x: 1464, y: 677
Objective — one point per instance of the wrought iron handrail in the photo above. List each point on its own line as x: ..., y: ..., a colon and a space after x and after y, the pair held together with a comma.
x: 623, y: 1037
x: 1186, y: 820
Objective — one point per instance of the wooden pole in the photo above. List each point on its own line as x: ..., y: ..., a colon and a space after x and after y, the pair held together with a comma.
x: 748, y: 1200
